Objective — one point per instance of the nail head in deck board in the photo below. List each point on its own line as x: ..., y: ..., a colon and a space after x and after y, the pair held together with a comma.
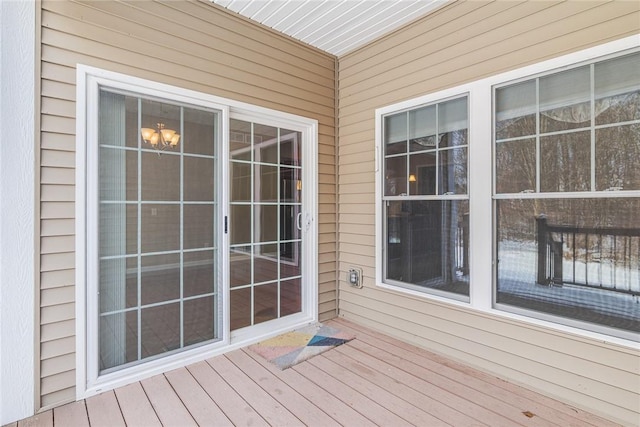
x: 170, y: 410
x: 331, y: 405
x: 199, y: 404
x: 135, y: 406
x: 306, y: 411
x: 72, y: 414
x: 104, y: 410
x: 269, y: 408
x: 230, y: 402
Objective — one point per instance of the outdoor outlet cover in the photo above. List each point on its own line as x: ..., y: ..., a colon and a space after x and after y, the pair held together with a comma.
x: 354, y: 277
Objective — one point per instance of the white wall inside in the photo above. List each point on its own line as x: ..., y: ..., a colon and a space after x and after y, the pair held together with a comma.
x: 17, y: 214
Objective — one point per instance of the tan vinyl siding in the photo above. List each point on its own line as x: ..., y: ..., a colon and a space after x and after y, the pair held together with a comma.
x: 459, y: 43
x: 206, y: 49
x: 55, y: 279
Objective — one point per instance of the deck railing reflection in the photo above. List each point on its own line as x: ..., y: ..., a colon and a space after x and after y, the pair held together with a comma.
x: 598, y: 257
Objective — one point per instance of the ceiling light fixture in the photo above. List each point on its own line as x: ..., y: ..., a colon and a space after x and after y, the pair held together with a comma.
x: 162, y: 139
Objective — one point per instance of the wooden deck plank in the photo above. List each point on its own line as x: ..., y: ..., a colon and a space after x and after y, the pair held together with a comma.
x: 231, y: 403
x: 482, y: 407
x: 420, y: 365
x: 360, y: 379
x: 104, y: 411
x: 199, y: 404
x: 438, y: 402
x: 166, y: 403
x: 367, y: 407
x: 372, y: 380
x: 72, y: 415
x: 334, y: 407
x: 269, y: 408
x: 305, y: 410
x: 519, y: 397
x: 45, y: 419
x: 135, y: 406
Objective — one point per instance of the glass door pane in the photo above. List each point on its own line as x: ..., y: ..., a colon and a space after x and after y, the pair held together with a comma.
x: 158, y: 230
x: 265, y: 212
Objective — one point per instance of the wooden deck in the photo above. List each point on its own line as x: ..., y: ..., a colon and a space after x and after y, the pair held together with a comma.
x: 372, y: 380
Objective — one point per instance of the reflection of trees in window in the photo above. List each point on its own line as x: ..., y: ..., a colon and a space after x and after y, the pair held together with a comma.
x: 618, y: 157
x: 564, y: 162
x: 520, y: 175
x: 453, y: 170
x: 563, y: 135
x: 576, y: 131
x: 516, y: 126
x: 585, y: 213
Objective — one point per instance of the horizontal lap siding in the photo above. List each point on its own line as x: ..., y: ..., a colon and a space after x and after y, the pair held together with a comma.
x: 459, y: 43
x: 205, y: 49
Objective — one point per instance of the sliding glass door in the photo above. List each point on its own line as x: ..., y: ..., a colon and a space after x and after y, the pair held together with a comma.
x: 158, y: 234
x: 265, y: 223
x: 199, y: 229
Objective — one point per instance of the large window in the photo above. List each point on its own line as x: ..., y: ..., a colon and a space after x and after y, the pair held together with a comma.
x: 425, y: 198
x: 567, y: 195
x: 518, y: 194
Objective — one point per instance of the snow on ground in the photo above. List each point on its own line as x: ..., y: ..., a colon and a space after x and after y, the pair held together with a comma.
x: 517, y: 269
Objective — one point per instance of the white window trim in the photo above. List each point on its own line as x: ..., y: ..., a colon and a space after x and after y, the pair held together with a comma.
x: 88, y: 80
x: 480, y: 195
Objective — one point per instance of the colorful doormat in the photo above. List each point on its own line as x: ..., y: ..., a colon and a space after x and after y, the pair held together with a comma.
x: 294, y: 347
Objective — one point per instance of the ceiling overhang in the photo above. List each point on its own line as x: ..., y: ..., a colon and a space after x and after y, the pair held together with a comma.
x: 335, y: 26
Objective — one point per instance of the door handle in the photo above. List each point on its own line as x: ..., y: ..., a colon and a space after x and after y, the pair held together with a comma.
x: 299, y: 221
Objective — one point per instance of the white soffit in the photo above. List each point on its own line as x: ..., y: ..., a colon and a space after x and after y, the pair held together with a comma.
x: 335, y: 26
